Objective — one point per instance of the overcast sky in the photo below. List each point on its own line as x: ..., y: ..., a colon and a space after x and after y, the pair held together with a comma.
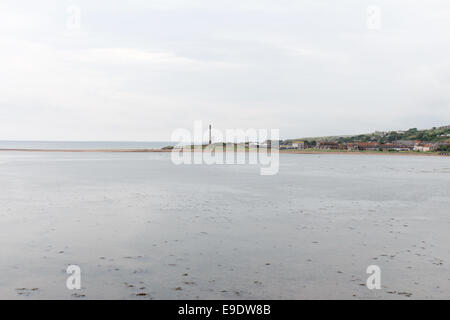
x: 137, y: 70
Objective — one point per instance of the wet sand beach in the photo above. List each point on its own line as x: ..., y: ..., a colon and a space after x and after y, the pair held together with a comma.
x: 141, y: 227
x: 307, y: 151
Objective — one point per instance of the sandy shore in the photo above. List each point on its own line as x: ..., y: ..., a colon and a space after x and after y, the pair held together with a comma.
x: 410, y: 153
x: 402, y: 153
x: 85, y: 150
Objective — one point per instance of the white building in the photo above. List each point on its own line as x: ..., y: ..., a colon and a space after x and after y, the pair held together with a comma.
x: 298, y: 145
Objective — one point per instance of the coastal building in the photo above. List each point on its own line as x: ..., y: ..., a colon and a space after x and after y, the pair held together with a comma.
x: 327, y: 145
x: 367, y: 146
x: 287, y: 147
x: 422, y: 147
x: 298, y: 145
x: 425, y: 146
x: 400, y: 147
x: 408, y: 143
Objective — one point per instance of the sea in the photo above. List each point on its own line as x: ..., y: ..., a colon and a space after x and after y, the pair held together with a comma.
x: 84, y: 145
x: 139, y: 226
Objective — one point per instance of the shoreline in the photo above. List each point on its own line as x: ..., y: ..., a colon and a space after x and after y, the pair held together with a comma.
x: 398, y: 153
x: 401, y: 153
x: 83, y: 150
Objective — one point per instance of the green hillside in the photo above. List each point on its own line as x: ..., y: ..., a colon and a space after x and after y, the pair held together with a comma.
x: 432, y: 135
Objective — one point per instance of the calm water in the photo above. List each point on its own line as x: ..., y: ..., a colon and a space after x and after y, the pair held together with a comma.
x: 85, y: 145
x: 136, y: 223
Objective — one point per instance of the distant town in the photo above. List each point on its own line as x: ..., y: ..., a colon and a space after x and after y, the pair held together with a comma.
x: 430, y: 140
x: 435, y: 140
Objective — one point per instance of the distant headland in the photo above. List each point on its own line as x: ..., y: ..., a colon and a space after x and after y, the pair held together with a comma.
x: 434, y: 141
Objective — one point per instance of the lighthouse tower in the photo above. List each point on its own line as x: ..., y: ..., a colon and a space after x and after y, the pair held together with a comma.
x: 210, y: 140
